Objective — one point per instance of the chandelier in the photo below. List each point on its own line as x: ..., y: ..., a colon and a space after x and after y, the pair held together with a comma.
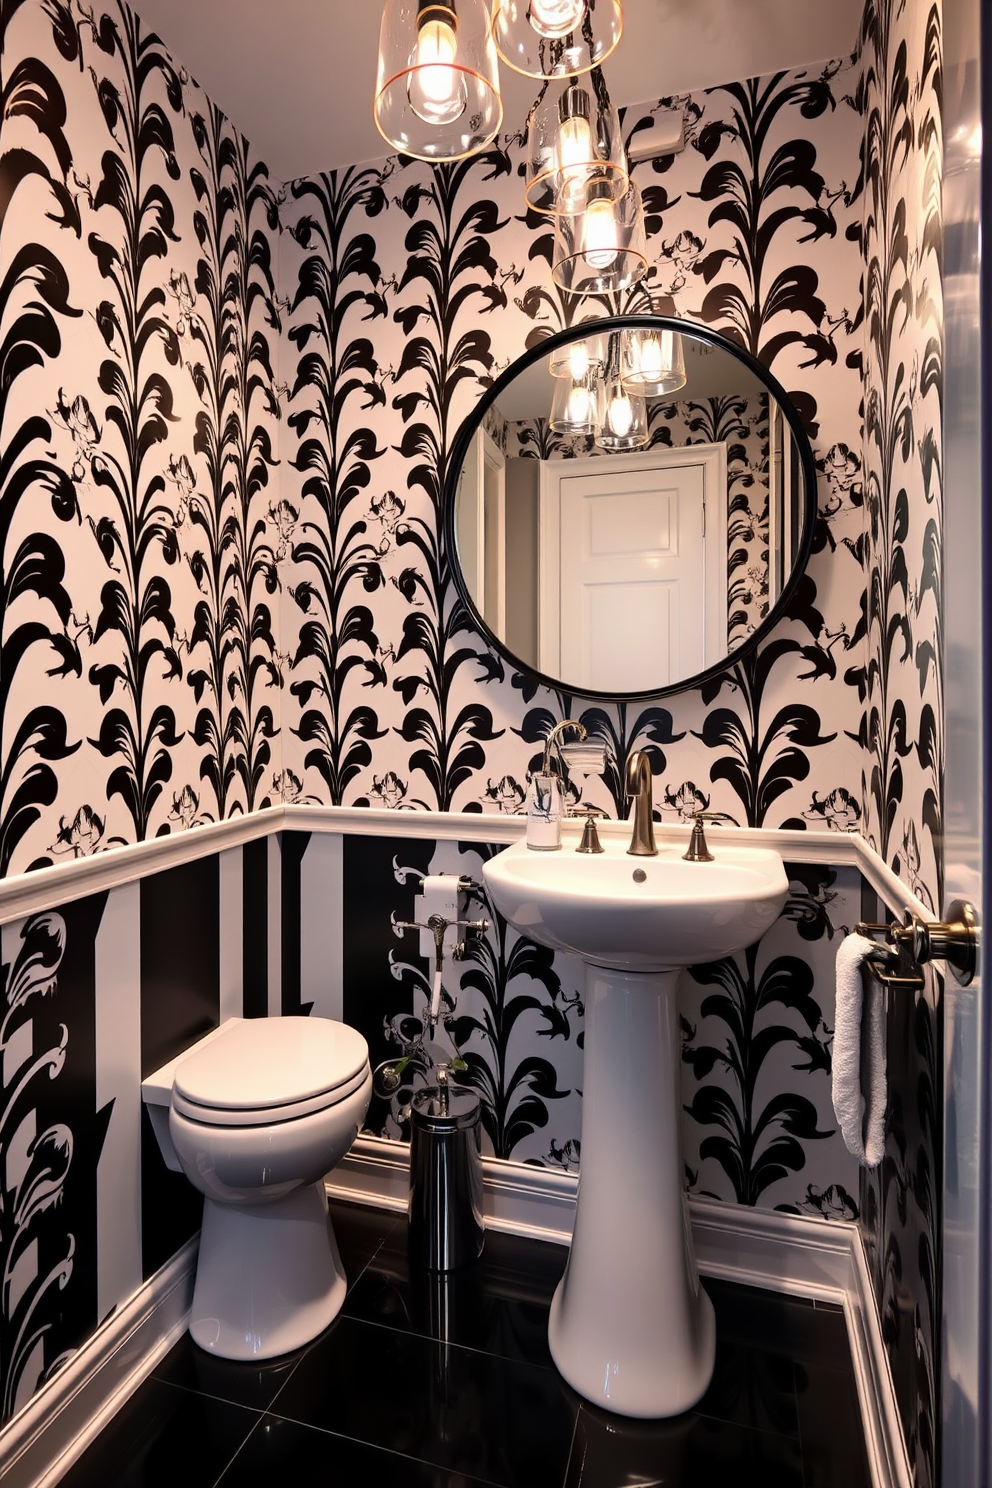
x: 437, y: 98
x: 602, y: 383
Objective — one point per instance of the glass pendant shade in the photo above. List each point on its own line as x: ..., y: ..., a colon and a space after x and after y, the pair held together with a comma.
x: 575, y: 403
x: 623, y: 417
x: 437, y: 89
x: 603, y: 248
x: 556, y: 38
x: 575, y: 359
x: 573, y: 137
x: 652, y: 362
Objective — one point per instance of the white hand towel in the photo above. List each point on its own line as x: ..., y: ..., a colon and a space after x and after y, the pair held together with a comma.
x: 860, y: 1114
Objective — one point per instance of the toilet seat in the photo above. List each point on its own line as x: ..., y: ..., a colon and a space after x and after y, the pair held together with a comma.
x: 208, y: 1115
x: 260, y: 1071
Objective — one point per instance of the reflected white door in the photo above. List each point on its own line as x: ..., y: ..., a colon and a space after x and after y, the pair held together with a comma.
x: 632, y: 572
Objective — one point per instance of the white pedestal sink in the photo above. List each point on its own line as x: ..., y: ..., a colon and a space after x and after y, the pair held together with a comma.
x: 631, y: 1329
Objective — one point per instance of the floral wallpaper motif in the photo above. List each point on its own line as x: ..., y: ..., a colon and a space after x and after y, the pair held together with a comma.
x: 901, y: 730
x: 415, y: 287
x: 901, y: 685
x: 140, y: 667
x: 228, y: 407
x: 757, y: 1028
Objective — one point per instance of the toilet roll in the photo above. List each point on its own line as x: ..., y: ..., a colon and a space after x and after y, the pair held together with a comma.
x: 439, y: 895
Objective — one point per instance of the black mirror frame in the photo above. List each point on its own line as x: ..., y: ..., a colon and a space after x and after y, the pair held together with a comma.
x: 579, y: 332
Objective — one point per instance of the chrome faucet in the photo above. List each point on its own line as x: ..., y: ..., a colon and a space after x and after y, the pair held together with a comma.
x: 638, y: 789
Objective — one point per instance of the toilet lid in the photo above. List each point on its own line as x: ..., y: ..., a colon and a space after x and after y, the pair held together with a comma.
x: 262, y: 1063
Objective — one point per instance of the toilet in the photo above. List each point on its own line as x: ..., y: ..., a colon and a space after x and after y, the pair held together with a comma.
x: 256, y: 1114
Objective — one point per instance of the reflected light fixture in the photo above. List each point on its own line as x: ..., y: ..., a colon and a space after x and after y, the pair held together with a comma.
x: 573, y: 137
x: 623, y: 412
x: 575, y: 402
x: 437, y: 90
x: 575, y: 359
x: 556, y: 38
x: 652, y: 361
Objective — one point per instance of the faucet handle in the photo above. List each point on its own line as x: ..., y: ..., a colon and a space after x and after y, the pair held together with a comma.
x: 590, y: 836
x: 698, y: 852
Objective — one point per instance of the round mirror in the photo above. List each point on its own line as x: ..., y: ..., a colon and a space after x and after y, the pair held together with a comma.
x: 630, y: 506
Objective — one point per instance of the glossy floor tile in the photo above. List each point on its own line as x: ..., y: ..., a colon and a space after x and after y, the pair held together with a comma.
x: 446, y: 1382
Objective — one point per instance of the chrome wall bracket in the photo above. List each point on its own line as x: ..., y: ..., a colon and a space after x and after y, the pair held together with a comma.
x: 953, y: 940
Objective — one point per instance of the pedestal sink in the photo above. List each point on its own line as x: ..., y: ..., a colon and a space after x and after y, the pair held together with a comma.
x: 630, y: 1328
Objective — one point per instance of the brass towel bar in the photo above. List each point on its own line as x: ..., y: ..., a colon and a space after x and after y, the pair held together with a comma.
x: 916, y: 941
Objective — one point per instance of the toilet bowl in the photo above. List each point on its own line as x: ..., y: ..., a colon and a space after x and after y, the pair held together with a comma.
x: 256, y: 1114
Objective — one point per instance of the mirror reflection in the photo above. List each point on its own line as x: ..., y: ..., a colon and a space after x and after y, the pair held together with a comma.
x: 629, y: 508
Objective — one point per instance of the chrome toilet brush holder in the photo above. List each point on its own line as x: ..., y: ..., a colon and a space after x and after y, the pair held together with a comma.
x: 445, y: 1207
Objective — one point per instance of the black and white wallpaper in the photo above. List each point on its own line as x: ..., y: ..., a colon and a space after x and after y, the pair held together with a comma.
x: 412, y: 288
x: 901, y: 686
x: 140, y: 536
x: 227, y: 409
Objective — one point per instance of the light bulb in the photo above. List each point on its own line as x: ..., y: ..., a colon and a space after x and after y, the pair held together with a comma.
x: 574, y: 149
x: 436, y: 88
x: 578, y: 405
x: 578, y: 360
x: 651, y: 363
x: 601, y: 244
x: 555, y: 17
x: 620, y: 415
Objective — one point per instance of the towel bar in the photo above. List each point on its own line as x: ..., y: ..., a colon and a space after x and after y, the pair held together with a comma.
x: 953, y: 940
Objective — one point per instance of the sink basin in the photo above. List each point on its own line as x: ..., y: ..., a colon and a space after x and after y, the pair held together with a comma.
x: 630, y: 1328
x: 644, y: 914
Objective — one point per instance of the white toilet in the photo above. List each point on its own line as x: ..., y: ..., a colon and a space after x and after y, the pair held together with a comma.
x: 255, y: 1114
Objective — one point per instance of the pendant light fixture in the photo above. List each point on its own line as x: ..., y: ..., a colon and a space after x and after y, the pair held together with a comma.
x: 437, y: 90
x: 575, y: 402
x: 601, y: 249
x: 623, y: 413
x: 652, y: 362
x: 573, y: 135
x: 556, y: 38
x: 575, y: 359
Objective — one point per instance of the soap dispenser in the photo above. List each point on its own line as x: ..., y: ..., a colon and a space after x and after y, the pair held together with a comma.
x: 545, y: 800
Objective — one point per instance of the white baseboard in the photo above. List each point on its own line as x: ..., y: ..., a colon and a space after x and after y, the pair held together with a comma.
x: 44, y: 1439
x: 804, y: 1257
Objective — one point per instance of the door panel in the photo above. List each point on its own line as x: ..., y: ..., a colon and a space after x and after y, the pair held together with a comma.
x: 631, y: 578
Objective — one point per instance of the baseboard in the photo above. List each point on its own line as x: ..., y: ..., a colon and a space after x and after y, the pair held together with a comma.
x: 44, y: 1439
x: 790, y: 1253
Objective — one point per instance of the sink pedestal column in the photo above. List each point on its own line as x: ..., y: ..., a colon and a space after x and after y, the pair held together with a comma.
x: 631, y: 1329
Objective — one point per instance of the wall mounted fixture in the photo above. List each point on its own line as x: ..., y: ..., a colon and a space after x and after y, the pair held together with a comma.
x: 437, y: 89
x: 556, y: 38
x: 953, y: 940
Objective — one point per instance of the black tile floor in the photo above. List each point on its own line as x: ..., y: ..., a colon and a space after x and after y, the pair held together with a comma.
x: 449, y: 1384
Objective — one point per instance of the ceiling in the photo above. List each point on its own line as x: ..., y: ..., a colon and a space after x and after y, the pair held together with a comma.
x: 297, y: 77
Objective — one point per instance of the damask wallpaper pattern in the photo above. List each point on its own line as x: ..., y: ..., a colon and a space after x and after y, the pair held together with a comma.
x: 227, y: 411
x: 141, y: 542
x: 412, y: 288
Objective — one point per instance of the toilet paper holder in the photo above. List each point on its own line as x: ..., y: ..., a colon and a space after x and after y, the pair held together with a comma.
x: 953, y: 940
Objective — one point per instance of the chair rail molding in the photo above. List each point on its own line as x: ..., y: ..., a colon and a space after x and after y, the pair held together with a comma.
x: 28, y: 893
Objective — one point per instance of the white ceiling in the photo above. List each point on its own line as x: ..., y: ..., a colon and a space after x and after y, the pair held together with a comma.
x: 297, y: 76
